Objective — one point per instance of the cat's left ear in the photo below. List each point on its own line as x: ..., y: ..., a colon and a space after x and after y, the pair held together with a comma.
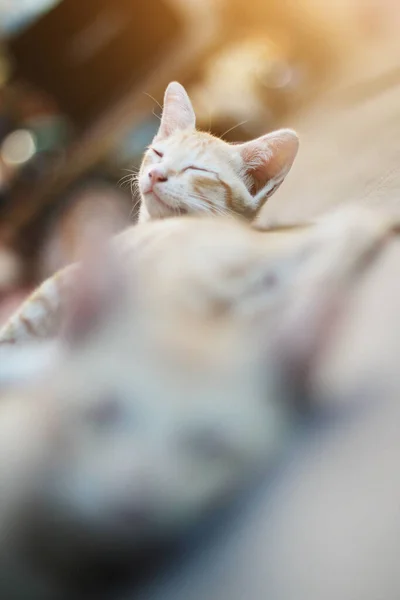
x: 177, y: 112
x: 95, y: 290
x: 267, y: 160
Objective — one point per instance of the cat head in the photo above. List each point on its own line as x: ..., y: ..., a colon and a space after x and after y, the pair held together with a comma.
x: 189, y: 171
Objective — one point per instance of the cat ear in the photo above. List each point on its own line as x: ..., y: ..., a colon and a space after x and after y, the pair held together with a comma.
x: 293, y: 309
x: 304, y: 328
x: 94, y: 291
x: 267, y: 160
x: 178, y: 111
x: 305, y: 291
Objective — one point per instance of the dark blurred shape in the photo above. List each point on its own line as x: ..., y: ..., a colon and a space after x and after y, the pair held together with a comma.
x: 88, y: 205
x: 86, y: 54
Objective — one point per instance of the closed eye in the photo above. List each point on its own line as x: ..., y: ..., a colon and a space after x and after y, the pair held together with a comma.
x: 160, y: 154
x: 194, y: 168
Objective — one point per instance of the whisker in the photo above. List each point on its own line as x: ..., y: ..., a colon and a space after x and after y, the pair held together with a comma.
x: 126, y: 180
x: 136, y: 203
x: 134, y: 186
x: 234, y: 127
x: 134, y: 207
x: 199, y: 204
x: 131, y: 180
x: 152, y: 98
x: 128, y: 176
x: 132, y: 170
x: 205, y: 206
x: 132, y: 175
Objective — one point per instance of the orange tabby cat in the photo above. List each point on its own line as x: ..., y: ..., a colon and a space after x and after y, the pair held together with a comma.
x: 164, y: 395
x: 189, y: 171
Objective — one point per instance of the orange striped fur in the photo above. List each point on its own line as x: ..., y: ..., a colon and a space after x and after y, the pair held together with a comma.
x: 39, y: 315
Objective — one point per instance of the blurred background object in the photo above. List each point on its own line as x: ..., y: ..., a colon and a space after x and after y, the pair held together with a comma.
x: 81, y: 84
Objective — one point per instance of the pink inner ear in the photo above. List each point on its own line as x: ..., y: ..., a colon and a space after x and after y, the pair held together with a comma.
x: 269, y: 157
x: 260, y: 174
x: 256, y: 160
x: 86, y: 302
x: 96, y: 288
x: 82, y: 309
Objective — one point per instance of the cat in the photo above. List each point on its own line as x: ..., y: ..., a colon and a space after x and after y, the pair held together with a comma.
x: 185, y: 171
x: 158, y: 404
x: 219, y: 178
x: 168, y: 390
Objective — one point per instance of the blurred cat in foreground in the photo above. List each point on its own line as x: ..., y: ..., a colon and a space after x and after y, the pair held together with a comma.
x: 153, y: 404
x: 175, y: 377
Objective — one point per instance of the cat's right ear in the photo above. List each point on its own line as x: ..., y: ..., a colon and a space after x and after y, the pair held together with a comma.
x: 94, y: 291
x: 177, y: 112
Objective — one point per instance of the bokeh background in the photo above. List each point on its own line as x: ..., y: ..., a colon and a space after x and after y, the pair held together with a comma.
x: 81, y: 82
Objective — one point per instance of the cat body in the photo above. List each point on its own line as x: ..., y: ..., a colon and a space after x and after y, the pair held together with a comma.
x: 39, y: 317
x: 173, y: 381
x: 157, y: 404
x: 186, y: 171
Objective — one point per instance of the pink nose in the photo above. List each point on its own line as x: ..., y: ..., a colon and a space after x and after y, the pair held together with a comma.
x: 157, y: 175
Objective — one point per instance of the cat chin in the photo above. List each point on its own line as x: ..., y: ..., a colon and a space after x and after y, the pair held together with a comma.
x: 159, y: 209
x: 156, y: 207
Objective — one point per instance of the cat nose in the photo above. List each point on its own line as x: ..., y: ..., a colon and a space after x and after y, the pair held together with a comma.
x: 157, y: 175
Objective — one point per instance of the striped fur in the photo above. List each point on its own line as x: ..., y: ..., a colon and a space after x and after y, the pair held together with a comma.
x: 39, y: 316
